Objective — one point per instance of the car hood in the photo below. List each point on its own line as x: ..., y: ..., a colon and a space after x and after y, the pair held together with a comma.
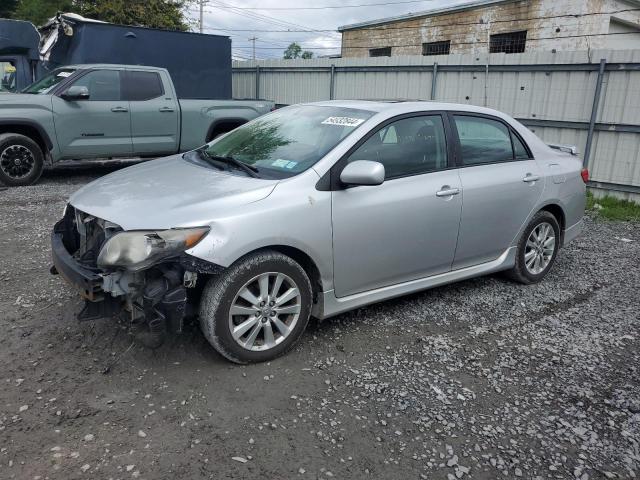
x: 17, y: 100
x: 168, y: 193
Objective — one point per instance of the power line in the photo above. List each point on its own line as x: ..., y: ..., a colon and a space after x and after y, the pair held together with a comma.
x: 328, y: 7
x: 265, y: 18
x: 468, y: 43
x: 386, y: 28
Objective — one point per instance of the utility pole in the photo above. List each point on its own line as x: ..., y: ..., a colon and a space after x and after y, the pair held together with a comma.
x: 253, y: 39
x: 201, y: 2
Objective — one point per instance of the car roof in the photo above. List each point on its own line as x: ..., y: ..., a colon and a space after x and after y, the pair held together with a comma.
x: 406, y: 106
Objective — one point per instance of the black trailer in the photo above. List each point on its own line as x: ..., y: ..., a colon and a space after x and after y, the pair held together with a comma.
x: 199, y: 64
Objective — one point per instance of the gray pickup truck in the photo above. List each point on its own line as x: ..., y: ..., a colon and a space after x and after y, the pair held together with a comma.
x: 107, y: 111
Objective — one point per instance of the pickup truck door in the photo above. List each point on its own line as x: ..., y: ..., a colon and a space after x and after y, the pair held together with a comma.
x: 99, y: 126
x: 155, y: 113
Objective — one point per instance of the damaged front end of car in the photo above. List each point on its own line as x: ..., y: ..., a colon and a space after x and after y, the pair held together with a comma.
x: 140, y: 276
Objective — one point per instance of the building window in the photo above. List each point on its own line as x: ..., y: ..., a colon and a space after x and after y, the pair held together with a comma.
x: 436, y: 48
x: 512, y: 42
x: 380, y: 52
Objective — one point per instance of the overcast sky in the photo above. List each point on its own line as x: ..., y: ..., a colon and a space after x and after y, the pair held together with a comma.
x: 242, y: 22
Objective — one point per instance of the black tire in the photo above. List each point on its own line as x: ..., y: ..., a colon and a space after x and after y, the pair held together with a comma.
x: 221, y: 291
x: 520, y: 272
x: 19, y: 148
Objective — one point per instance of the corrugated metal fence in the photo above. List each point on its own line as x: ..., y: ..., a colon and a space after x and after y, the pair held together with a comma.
x: 589, y: 99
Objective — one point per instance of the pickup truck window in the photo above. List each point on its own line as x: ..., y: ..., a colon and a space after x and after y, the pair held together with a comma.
x: 48, y: 82
x: 290, y: 140
x: 140, y: 86
x: 103, y: 85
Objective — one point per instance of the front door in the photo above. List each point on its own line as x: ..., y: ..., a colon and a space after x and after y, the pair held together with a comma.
x: 501, y: 182
x: 407, y: 227
x: 99, y: 126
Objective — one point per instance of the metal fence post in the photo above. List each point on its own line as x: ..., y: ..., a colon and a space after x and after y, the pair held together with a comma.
x: 594, y: 112
x: 434, y: 76
x: 257, y: 82
x: 332, y: 82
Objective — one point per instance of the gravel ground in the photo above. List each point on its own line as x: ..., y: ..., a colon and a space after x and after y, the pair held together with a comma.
x: 483, y: 379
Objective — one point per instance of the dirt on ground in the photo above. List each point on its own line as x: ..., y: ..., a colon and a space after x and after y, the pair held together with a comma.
x: 482, y: 379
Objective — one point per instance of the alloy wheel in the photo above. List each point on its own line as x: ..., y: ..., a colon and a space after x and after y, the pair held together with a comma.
x: 540, y: 248
x: 265, y: 311
x: 17, y: 161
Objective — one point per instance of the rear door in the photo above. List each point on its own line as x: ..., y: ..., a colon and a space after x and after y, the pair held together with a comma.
x: 501, y: 184
x: 99, y: 126
x: 155, y: 115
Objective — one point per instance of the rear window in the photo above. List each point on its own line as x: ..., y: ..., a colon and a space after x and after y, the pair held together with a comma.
x: 140, y: 86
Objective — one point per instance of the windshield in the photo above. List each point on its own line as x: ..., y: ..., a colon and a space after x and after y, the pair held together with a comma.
x: 290, y: 140
x: 47, y: 83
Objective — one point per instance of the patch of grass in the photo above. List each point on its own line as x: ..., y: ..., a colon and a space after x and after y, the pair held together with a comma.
x: 613, y: 208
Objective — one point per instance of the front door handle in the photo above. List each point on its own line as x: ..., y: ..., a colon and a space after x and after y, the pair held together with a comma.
x: 447, y: 191
x: 165, y: 109
x: 531, y: 178
x: 120, y: 109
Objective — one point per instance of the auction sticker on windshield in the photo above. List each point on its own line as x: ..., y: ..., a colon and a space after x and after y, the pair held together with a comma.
x: 343, y: 121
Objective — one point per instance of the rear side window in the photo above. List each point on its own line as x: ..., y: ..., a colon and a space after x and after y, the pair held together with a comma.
x: 519, y: 150
x: 483, y: 140
x: 140, y: 86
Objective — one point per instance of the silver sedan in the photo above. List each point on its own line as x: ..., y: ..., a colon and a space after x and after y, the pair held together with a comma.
x: 313, y: 210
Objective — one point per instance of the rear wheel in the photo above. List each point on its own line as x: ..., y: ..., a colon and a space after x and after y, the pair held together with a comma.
x: 537, y: 249
x: 21, y: 160
x: 257, y: 309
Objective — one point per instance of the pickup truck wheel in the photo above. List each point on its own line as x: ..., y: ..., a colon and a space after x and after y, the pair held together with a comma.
x: 21, y: 160
x: 257, y: 309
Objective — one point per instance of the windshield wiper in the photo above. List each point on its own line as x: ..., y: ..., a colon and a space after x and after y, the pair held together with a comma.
x: 249, y: 169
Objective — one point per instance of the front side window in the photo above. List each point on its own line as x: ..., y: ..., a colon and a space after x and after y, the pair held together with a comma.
x: 7, y: 76
x: 103, y: 85
x: 409, y: 146
x: 47, y: 83
x: 140, y: 86
x: 287, y: 141
x: 483, y: 140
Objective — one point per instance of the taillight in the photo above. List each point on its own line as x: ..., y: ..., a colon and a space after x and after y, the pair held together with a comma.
x: 585, y: 175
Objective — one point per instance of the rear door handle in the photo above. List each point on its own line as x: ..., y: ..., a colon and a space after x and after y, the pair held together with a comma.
x: 119, y: 109
x: 165, y: 109
x: 447, y: 191
x: 531, y: 178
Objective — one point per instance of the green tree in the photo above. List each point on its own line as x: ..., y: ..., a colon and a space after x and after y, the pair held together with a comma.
x: 39, y: 11
x: 168, y: 14
x: 307, y: 54
x: 8, y: 8
x: 293, y: 51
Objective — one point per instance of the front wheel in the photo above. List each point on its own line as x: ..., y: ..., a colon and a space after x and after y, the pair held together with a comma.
x: 21, y: 160
x: 537, y: 249
x: 257, y: 309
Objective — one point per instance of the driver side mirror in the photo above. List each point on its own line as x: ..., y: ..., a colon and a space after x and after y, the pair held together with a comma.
x: 76, y: 92
x: 363, y: 172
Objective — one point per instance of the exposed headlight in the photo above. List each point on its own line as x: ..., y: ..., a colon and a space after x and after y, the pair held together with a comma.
x: 140, y: 249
